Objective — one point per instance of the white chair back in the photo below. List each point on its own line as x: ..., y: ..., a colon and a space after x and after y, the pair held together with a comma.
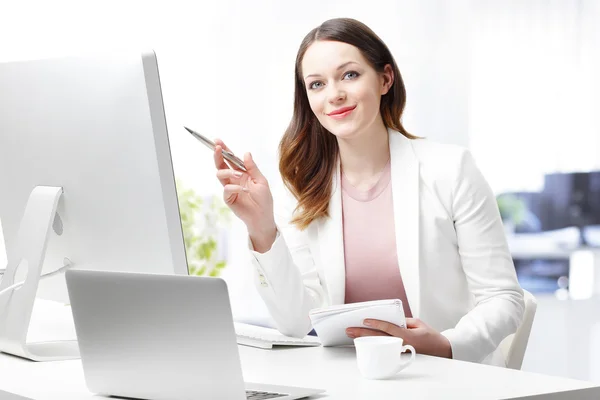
x: 514, y: 346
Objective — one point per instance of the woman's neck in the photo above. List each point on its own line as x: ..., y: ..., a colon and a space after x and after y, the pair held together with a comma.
x: 364, y: 158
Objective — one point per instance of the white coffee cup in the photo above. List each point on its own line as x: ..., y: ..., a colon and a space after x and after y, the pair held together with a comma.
x: 378, y: 357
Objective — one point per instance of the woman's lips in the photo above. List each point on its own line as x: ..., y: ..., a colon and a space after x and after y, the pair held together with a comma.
x: 342, y: 112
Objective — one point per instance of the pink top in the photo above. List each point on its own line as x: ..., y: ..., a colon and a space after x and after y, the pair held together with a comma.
x: 372, y: 271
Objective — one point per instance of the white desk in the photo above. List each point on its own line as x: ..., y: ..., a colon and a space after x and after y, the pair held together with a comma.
x: 333, y: 369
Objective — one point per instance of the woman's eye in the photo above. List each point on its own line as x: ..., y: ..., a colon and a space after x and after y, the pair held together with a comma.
x: 315, y: 85
x: 351, y: 75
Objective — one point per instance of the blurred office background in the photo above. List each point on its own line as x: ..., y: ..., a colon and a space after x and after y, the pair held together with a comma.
x: 515, y: 81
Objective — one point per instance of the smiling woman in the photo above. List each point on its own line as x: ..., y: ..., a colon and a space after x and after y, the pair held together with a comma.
x: 346, y: 77
x: 376, y: 214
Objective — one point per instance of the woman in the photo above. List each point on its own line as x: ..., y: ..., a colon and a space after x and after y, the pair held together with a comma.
x: 376, y: 212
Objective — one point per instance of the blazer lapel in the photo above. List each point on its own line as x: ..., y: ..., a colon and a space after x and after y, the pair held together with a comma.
x: 405, y: 192
x: 331, y: 243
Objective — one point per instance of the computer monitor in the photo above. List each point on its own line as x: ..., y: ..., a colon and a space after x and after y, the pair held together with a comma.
x: 574, y: 199
x: 93, y: 125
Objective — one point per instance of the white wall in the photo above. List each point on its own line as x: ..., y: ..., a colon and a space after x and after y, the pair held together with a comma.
x: 535, y: 91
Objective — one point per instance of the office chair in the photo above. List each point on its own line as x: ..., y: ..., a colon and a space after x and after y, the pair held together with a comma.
x: 514, y: 346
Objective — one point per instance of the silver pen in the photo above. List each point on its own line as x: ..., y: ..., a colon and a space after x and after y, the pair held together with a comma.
x: 229, y: 156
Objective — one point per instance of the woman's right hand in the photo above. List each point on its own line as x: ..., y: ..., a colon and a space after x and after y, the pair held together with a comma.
x: 248, y: 195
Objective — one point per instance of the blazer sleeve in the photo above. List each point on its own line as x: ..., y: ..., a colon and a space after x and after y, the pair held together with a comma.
x: 488, y: 266
x: 286, y: 277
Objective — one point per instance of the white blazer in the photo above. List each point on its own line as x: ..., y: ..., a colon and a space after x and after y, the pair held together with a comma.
x: 452, y: 253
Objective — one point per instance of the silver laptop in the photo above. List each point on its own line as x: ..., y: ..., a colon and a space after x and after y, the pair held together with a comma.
x: 161, y: 337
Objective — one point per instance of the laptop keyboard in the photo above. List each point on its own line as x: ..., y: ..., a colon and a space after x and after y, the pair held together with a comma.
x: 257, y: 395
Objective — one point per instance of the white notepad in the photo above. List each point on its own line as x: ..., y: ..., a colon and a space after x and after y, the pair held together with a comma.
x: 266, y: 338
x: 330, y: 323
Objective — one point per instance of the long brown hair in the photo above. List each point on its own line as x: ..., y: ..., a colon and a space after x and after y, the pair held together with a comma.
x: 308, y: 152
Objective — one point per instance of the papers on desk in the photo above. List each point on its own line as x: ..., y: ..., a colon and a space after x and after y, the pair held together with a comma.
x: 330, y: 323
x: 266, y: 338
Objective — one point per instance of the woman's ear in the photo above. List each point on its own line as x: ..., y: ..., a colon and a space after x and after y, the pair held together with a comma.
x: 387, y: 79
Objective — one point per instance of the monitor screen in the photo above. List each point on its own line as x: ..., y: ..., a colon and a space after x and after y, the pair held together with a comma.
x: 574, y: 199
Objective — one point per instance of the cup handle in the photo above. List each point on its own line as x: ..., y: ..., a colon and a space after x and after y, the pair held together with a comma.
x: 403, y: 365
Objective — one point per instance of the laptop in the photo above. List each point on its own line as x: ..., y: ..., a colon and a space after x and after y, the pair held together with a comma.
x: 161, y: 337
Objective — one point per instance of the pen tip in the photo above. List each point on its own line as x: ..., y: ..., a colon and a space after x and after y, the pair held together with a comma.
x: 188, y: 129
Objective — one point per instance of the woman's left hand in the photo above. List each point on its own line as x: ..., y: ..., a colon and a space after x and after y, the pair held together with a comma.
x: 417, y: 333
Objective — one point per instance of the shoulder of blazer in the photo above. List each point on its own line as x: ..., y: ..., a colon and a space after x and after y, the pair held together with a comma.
x: 440, y: 169
x: 439, y: 162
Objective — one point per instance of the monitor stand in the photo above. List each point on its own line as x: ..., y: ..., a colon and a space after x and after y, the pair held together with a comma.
x: 16, y: 304
x: 583, y: 243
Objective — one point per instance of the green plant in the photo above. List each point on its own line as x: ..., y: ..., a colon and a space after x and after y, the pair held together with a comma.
x: 201, y: 219
x: 511, y: 208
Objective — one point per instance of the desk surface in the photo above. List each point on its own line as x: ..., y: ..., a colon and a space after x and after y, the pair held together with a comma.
x: 333, y: 369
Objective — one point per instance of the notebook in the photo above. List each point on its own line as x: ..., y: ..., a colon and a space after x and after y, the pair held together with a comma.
x: 330, y: 323
x: 266, y: 338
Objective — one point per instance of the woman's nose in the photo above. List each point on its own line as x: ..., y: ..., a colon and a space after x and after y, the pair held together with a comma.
x: 336, y: 95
